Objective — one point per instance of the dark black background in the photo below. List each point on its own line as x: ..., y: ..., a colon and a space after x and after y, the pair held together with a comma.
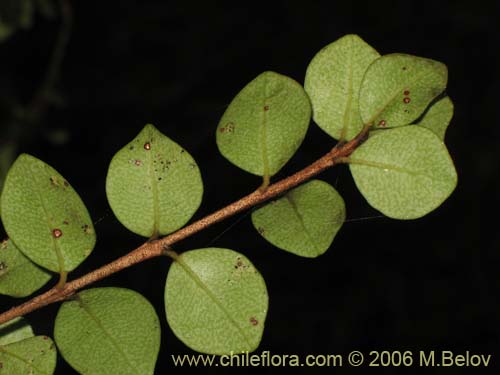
x: 427, y: 284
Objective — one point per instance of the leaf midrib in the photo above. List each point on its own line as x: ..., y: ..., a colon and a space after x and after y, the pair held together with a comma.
x: 19, y: 358
x: 263, y: 141
x: 395, y: 168
x: 212, y: 297
x: 298, y: 215
x: 347, y: 110
x: 59, y: 256
x: 411, y: 81
x: 154, y: 192
x: 92, y: 316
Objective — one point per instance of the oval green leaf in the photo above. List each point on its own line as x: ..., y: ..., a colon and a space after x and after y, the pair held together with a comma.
x: 35, y: 356
x: 333, y: 80
x: 153, y: 185
x: 216, y: 301
x: 438, y: 117
x: 405, y: 173
x: 22, y: 353
x: 45, y: 217
x: 264, y: 124
x: 7, y: 157
x: 108, y: 331
x: 397, y: 88
x: 19, y: 277
x: 15, y: 330
x: 304, y: 221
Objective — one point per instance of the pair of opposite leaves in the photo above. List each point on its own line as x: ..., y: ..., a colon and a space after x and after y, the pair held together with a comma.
x: 403, y: 171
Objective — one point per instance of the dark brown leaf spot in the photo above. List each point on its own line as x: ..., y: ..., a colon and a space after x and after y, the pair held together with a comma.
x: 406, y: 92
x: 229, y: 128
x: 266, y: 108
x: 253, y: 321
x: 57, y: 233
x: 65, y: 222
x: 147, y: 146
x: 138, y: 162
x: 406, y: 100
x: 381, y: 123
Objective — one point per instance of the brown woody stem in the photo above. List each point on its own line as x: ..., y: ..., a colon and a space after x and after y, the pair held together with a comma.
x: 155, y: 248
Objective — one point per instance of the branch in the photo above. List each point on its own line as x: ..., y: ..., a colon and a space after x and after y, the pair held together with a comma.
x: 161, y: 246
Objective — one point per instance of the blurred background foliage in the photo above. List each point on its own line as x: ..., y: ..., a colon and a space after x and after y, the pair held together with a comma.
x: 79, y: 79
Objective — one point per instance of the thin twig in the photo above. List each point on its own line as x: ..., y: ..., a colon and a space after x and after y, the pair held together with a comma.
x: 152, y: 249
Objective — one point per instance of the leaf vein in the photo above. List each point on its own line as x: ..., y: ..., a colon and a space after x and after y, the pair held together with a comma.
x: 301, y: 221
x: 213, y: 297
x: 110, y: 337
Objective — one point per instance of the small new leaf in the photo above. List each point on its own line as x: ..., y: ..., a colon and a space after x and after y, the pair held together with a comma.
x: 264, y: 124
x: 216, y: 301
x: 305, y: 221
x: 153, y: 185
x: 397, y: 88
x: 405, y: 173
x: 333, y: 80
x: 108, y: 331
x: 438, y: 117
x: 19, y: 277
x: 45, y: 217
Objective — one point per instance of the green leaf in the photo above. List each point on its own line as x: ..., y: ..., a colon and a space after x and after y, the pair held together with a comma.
x: 7, y: 156
x: 405, y: 173
x: 45, y: 217
x: 216, y: 301
x: 438, y: 117
x: 35, y: 356
x: 153, y: 185
x: 22, y: 353
x: 15, y: 330
x: 108, y: 331
x: 264, y: 124
x: 333, y: 80
x: 397, y: 88
x: 305, y: 221
x: 19, y: 277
